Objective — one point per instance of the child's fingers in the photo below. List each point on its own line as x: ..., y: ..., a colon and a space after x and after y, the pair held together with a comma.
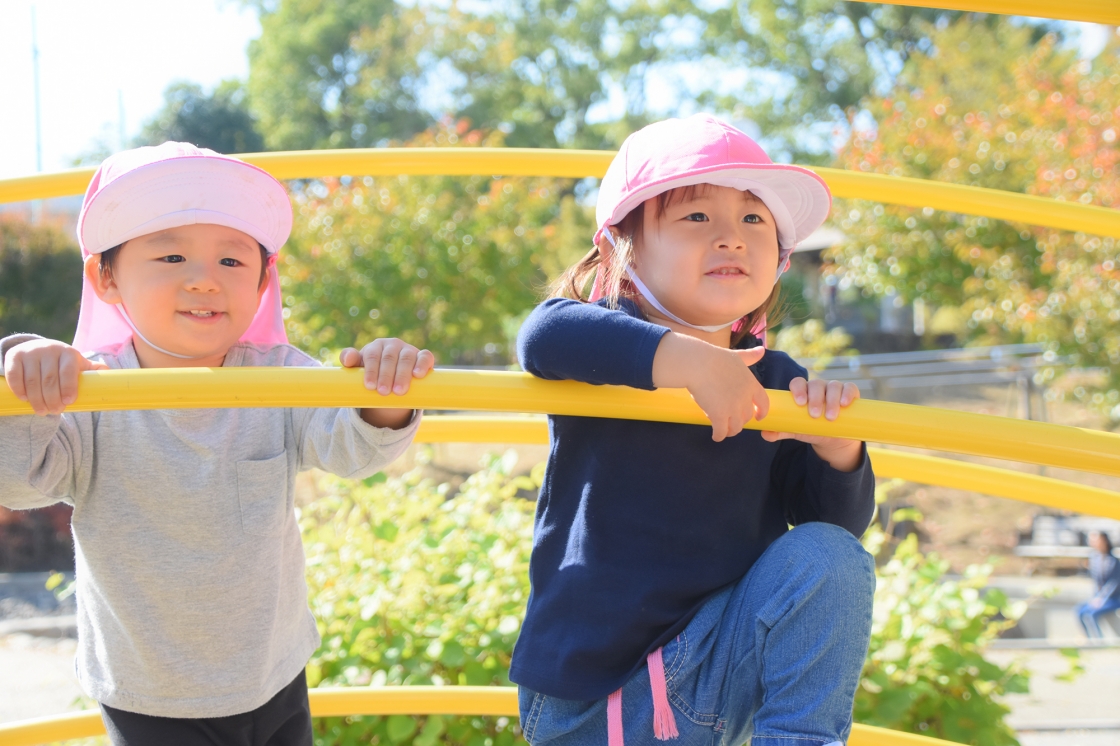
x: 799, y: 387
x: 405, y: 363
x: 815, y: 398
x: 386, y: 361
x: 33, y: 386
x: 350, y: 357
x: 14, y: 376
x: 69, y: 368
x: 425, y: 361
x: 833, y: 391
x: 849, y: 395
x: 761, y: 403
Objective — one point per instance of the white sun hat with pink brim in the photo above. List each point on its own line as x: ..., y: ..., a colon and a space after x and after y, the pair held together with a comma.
x: 151, y: 189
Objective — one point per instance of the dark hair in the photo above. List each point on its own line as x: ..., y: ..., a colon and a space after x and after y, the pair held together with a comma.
x: 108, y: 258
x: 1107, y: 540
x: 572, y: 283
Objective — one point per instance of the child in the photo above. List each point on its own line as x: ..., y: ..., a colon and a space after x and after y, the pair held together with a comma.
x: 669, y: 599
x: 193, y: 622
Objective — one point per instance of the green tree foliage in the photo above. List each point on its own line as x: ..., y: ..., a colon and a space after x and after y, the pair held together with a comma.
x: 339, y: 73
x: 445, y: 263
x: 812, y: 63
x: 356, y: 73
x: 987, y: 108
x: 413, y: 584
x: 40, y: 280
x: 219, y: 120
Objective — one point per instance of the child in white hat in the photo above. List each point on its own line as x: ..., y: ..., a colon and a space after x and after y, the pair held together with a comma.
x: 669, y: 599
x: 193, y: 623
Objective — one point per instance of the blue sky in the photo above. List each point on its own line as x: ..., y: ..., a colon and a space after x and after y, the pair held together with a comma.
x: 89, y: 50
x: 92, y: 52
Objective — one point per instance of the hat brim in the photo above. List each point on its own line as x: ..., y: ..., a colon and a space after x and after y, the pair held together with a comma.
x: 186, y: 191
x: 798, y: 198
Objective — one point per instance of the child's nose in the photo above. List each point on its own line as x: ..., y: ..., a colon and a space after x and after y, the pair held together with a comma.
x: 202, y: 280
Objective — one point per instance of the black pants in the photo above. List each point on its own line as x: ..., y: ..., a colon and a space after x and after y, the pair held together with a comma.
x: 285, y: 720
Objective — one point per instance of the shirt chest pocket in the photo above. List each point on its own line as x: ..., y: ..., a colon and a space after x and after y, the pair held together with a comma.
x: 262, y: 491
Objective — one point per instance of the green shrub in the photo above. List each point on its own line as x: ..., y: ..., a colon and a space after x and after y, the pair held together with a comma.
x: 926, y: 671
x: 413, y: 586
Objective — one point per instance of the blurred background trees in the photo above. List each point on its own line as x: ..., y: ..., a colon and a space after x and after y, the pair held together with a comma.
x: 989, y: 106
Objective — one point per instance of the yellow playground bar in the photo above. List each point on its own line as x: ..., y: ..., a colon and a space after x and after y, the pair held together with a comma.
x: 504, y: 399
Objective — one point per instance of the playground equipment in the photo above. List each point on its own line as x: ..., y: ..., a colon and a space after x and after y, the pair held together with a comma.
x: 894, y: 424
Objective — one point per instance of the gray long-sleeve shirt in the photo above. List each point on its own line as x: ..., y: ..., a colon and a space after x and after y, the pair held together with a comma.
x: 190, y: 570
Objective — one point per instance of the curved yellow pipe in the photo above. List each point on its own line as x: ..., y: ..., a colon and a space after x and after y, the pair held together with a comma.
x: 491, y: 391
x: 389, y: 700
x: 1092, y: 11
x: 913, y: 467
x: 894, y: 190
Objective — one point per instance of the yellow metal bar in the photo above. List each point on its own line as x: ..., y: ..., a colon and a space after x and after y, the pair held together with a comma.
x: 484, y: 429
x: 913, y: 467
x: 989, y: 480
x: 491, y: 391
x: 389, y: 700
x: 893, y: 190
x: 968, y: 200
x: 1092, y: 11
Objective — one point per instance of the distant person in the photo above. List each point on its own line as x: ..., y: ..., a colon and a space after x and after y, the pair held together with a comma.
x: 669, y: 597
x: 193, y: 623
x: 1104, y: 569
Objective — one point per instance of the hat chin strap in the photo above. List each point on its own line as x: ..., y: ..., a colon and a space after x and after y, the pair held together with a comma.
x: 656, y: 304
x: 127, y: 320
x: 645, y: 291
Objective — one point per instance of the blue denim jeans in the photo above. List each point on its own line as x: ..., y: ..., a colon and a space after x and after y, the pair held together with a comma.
x: 774, y: 658
x: 1090, y: 617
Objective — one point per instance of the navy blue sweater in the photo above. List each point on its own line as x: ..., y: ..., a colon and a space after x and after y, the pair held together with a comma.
x: 638, y: 523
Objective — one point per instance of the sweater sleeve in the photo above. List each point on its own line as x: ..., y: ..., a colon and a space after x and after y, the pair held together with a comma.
x: 39, y: 456
x: 568, y: 340
x: 42, y: 459
x: 341, y: 442
x: 812, y: 490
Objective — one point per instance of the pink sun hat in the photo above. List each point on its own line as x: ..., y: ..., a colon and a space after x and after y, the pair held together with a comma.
x: 151, y: 189
x: 703, y: 150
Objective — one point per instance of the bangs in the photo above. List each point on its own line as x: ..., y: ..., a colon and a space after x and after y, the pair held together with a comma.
x: 676, y: 195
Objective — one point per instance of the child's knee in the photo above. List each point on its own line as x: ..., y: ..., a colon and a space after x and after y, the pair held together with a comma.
x: 833, y: 554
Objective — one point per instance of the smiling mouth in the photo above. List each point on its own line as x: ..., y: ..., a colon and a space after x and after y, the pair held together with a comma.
x: 202, y: 314
x: 728, y: 272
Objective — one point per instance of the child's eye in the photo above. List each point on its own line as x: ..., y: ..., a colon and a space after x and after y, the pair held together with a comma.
x: 752, y: 218
x: 697, y: 217
x: 173, y: 258
x: 230, y: 262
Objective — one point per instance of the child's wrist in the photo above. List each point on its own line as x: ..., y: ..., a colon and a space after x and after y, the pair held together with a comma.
x: 840, y: 453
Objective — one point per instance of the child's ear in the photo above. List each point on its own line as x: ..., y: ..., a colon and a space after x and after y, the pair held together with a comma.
x: 102, y: 282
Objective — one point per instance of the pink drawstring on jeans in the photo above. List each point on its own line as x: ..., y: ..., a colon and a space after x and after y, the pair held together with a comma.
x: 664, y: 722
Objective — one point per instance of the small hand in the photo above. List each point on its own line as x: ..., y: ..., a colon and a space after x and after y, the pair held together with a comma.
x: 390, y: 364
x: 828, y: 398
x: 720, y: 380
x: 44, y: 373
x: 726, y: 389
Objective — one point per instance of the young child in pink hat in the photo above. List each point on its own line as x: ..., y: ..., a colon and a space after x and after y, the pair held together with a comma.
x: 193, y: 623
x: 669, y: 598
